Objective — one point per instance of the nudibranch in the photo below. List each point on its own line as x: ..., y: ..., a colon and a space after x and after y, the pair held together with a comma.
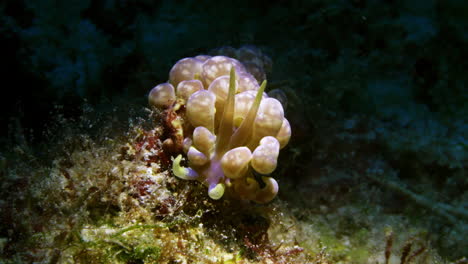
x: 232, y: 130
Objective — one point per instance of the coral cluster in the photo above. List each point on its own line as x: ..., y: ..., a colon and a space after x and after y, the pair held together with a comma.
x: 232, y: 131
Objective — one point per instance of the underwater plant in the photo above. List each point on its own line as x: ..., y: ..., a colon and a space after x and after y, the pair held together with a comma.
x: 230, y: 130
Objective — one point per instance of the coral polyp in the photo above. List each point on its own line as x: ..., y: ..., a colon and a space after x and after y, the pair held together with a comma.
x: 232, y: 131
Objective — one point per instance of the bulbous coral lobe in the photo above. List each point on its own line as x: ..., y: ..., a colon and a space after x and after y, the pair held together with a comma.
x: 235, y: 162
x: 234, y: 129
x: 162, y: 95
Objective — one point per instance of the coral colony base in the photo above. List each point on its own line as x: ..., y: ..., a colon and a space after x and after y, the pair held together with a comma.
x: 230, y: 130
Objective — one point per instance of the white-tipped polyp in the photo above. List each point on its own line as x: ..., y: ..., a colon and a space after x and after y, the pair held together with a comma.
x: 183, y: 172
x: 216, y: 191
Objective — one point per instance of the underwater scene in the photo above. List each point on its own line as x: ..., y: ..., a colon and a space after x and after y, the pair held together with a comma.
x: 234, y: 132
